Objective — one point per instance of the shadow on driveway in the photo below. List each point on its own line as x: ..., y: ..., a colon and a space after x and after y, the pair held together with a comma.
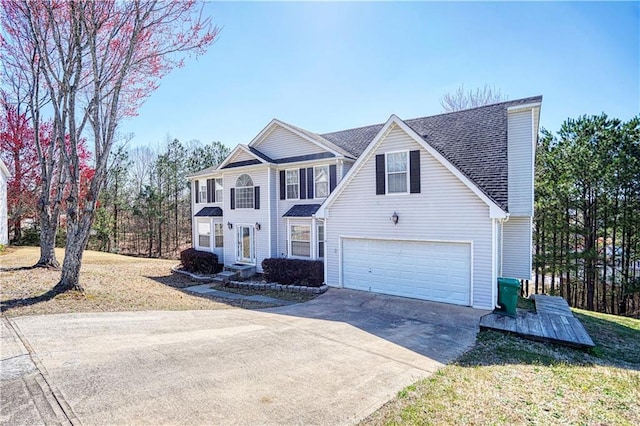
x: 438, y: 331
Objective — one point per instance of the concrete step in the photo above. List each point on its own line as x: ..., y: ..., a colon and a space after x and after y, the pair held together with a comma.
x: 225, y: 276
x: 244, y: 271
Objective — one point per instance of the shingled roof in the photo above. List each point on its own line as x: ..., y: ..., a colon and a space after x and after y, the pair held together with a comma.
x: 473, y: 140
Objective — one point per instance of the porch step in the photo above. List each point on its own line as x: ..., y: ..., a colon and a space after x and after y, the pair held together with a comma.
x: 225, y: 276
x: 244, y: 271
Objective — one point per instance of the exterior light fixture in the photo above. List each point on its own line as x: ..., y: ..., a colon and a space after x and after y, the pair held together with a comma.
x: 395, y: 218
x: 258, y: 226
x: 229, y: 225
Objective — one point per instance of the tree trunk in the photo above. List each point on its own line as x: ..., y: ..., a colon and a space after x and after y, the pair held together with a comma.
x: 77, y: 238
x: 48, y: 229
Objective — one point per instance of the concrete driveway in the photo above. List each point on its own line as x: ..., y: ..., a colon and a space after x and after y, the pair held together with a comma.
x: 333, y: 360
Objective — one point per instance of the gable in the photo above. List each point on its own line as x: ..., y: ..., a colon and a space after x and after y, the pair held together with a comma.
x: 283, y: 143
x: 241, y: 155
x: 395, y: 135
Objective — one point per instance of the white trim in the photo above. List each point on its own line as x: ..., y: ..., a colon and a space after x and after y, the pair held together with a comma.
x: 208, y: 221
x: 234, y: 152
x: 307, y: 223
x: 413, y: 240
x: 494, y: 261
x: 253, y: 252
x: 286, y: 184
x: 315, y: 192
x: 269, y: 220
x: 523, y: 106
x: 386, y: 173
x: 495, y: 211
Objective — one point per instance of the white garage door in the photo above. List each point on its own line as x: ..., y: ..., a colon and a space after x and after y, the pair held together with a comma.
x: 434, y: 271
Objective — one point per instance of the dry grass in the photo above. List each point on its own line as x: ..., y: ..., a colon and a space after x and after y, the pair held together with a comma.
x: 508, y: 380
x: 112, y: 283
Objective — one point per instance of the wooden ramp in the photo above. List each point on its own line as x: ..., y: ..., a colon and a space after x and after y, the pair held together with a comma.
x: 553, y: 322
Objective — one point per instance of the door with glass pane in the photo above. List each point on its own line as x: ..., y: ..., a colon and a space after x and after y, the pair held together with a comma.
x: 245, y: 252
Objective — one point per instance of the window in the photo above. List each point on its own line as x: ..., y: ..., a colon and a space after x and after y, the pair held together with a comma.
x: 219, y: 190
x: 397, y: 172
x: 204, y: 233
x: 219, y: 237
x: 292, y: 184
x: 203, y: 192
x: 300, y: 240
x: 320, y: 240
x: 244, y: 192
x: 321, y: 181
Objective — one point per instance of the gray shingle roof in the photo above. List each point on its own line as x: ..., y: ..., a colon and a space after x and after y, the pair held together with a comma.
x: 209, y: 212
x: 473, y: 140
x: 302, y: 210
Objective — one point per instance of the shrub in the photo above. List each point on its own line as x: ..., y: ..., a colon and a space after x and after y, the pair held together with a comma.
x: 294, y: 271
x: 200, y: 262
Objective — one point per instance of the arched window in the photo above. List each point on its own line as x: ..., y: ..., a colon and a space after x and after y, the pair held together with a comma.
x: 244, y: 192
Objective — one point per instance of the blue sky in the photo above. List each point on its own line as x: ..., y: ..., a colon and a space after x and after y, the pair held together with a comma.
x: 333, y: 66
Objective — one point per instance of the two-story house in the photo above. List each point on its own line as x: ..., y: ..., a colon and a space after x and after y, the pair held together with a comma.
x: 434, y: 208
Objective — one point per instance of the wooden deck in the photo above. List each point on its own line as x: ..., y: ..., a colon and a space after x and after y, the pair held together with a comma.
x: 553, y: 322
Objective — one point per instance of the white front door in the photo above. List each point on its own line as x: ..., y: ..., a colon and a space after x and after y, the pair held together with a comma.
x: 245, y: 252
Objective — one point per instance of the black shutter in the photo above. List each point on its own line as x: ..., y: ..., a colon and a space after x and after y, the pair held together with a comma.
x: 414, y: 172
x: 209, y: 197
x: 233, y: 198
x: 256, y: 198
x: 310, y: 183
x: 196, y: 184
x: 303, y: 184
x: 380, y: 184
x: 332, y: 177
x: 283, y: 185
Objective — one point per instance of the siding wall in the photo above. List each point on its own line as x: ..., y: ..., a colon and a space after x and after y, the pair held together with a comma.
x: 247, y: 216
x: 444, y: 210
x: 284, y: 205
x: 242, y: 156
x: 282, y: 143
x: 516, y: 248
x: 520, y: 155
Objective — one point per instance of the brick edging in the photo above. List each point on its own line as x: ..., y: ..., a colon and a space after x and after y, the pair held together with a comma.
x: 195, y: 277
x: 278, y: 287
x: 256, y: 286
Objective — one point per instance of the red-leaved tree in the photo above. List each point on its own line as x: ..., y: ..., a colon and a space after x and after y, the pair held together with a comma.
x: 95, y: 62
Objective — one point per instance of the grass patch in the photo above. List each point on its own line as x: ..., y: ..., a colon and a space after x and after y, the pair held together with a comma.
x: 504, y: 379
x: 526, y: 304
x: 112, y: 283
x: 282, y: 295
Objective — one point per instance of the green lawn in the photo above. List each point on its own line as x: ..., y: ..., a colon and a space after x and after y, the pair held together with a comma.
x: 509, y: 380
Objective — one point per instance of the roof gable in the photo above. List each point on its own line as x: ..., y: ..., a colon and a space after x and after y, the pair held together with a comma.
x: 394, y: 121
x: 241, y: 156
x: 473, y: 140
x: 278, y: 140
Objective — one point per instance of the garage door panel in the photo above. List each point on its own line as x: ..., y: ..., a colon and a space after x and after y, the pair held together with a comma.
x: 437, y: 271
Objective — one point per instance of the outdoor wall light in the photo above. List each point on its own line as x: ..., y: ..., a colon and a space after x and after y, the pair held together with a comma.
x: 229, y: 225
x: 395, y: 218
x: 258, y: 226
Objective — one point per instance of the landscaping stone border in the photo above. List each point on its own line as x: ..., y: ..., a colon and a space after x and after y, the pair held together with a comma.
x: 251, y: 285
x: 278, y: 287
x: 195, y: 277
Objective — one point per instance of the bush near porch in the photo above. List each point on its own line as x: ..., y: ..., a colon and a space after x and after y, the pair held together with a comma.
x: 200, y: 262
x: 309, y: 273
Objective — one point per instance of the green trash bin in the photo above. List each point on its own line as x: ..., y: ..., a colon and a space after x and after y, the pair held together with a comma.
x: 508, y: 289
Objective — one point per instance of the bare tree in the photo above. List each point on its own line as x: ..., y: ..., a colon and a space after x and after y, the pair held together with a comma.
x: 465, y: 99
x: 98, y: 61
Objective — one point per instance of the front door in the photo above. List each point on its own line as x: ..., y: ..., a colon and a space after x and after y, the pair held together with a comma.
x: 245, y: 252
